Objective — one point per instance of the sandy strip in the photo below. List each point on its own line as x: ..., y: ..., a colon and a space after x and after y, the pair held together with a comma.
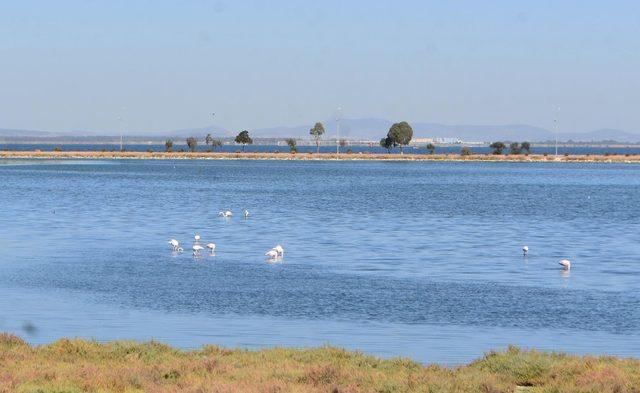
x: 619, y: 158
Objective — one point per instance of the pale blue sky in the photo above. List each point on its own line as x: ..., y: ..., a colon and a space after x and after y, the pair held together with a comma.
x: 167, y: 64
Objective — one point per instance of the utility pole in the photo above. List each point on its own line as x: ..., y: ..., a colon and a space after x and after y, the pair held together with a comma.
x: 555, y: 121
x: 338, y: 131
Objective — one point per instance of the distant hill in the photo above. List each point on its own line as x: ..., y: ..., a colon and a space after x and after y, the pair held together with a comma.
x: 368, y: 129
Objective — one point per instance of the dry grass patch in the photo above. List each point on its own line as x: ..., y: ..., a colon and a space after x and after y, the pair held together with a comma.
x: 126, y: 366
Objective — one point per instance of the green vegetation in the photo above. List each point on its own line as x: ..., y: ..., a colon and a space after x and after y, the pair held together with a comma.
x: 400, y: 134
x: 432, y: 148
x: 192, y: 143
x: 526, y: 146
x: 465, y: 151
x: 317, y: 131
x: 514, y: 148
x: 168, y: 145
x: 125, y: 366
x: 387, y: 143
x: 497, y: 147
x: 244, y: 139
x: 292, y: 143
x: 208, y: 139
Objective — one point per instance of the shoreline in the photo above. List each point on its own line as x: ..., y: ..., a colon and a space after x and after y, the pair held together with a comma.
x: 92, y: 155
x: 75, y: 365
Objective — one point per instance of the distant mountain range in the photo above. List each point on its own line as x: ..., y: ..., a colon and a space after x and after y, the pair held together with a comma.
x: 371, y: 129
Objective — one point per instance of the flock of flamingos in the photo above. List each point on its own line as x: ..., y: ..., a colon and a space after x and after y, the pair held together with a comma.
x: 278, y: 252
x: 273, y: 254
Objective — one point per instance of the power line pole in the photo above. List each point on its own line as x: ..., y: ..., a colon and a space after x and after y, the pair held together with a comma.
x: 555, y: 121
x: 338, y: 131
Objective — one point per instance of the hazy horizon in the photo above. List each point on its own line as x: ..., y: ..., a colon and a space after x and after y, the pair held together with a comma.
x: 75, y: 65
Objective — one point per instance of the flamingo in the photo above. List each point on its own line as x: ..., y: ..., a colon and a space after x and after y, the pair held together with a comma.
x: 174, y: 244
x: 525, y: 250
x: 565, y: 263
x: 246, y: 213
x: 225, y: 214
x: 278, y: 249
x: 273, y: 254
x: 211, y: 247
x: 196, y: 249
x: 197, y: 238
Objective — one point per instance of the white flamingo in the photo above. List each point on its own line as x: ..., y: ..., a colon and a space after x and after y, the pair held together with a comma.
x: 525, y: 250
x: 225, y: 214
x: 196, y: 249
x: 174, y: 244
x: 279, y: 250
x: 272, y: 254
x: 565, y: 263
x: 211, y: 247
x: 246, y: 213
x: 197, y: 238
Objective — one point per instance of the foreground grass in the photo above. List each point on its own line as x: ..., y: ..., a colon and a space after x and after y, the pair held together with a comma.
x: 125, y: 366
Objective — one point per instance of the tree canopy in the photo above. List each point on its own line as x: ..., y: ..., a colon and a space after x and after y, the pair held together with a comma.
x: 168, y: 145
x: 400, y: 134
x: 244, y: 138
x: 387, y: 143
x: 292, y: 143
x: 317, y: 131
x: 192, y: 142
x: 497, y: 147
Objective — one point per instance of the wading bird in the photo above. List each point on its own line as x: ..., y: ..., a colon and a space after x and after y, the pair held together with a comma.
x: 226, y: 214
x: 273, y: 254
x: 174, y: 244
x: 525, y: 250
x: 565, y: 263
x: 246, y: 213
x: 211, y: 247
x: 279, y: 250
x: 197, y: 238
x: 196, y: 249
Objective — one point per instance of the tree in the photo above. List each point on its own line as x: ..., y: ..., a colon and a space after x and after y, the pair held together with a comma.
x: 514, y: 148
x: 192, y: 142
x: 526, y: 146
x: 216, y: 143
x: 208, y: 140
x: 168, y: 145
x: 431, y: 147
x: 465, y: 151
x: 400, y: 134
x: 387, y: 143
x: 292, y: 145
x: 317, y: 132
x: 497, y: 147
x: 342, y: 142
x: 244, y: 138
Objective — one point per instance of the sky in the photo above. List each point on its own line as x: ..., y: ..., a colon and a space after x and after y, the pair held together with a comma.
x: 164, y: 65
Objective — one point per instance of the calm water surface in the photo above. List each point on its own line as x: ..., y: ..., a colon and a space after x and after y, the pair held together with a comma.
x: 392, y: 258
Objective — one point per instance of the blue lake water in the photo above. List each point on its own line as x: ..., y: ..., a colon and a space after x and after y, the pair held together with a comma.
x: 392, y: 258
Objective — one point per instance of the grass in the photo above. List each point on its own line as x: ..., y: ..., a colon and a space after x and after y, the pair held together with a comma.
x: 126, y: 366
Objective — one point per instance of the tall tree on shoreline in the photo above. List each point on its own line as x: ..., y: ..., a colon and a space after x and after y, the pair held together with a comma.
x: 208, y: 139
x: 168, y: 145
x: 244, y: 138
x: 497, y: 147
x: 400, y: 134
x: 192, y: 142
x: 526, y: 146
x: 317, y: 131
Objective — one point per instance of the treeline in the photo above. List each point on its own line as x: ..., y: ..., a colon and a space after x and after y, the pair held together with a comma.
x: 212, y: 143
x: 514, y: 147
